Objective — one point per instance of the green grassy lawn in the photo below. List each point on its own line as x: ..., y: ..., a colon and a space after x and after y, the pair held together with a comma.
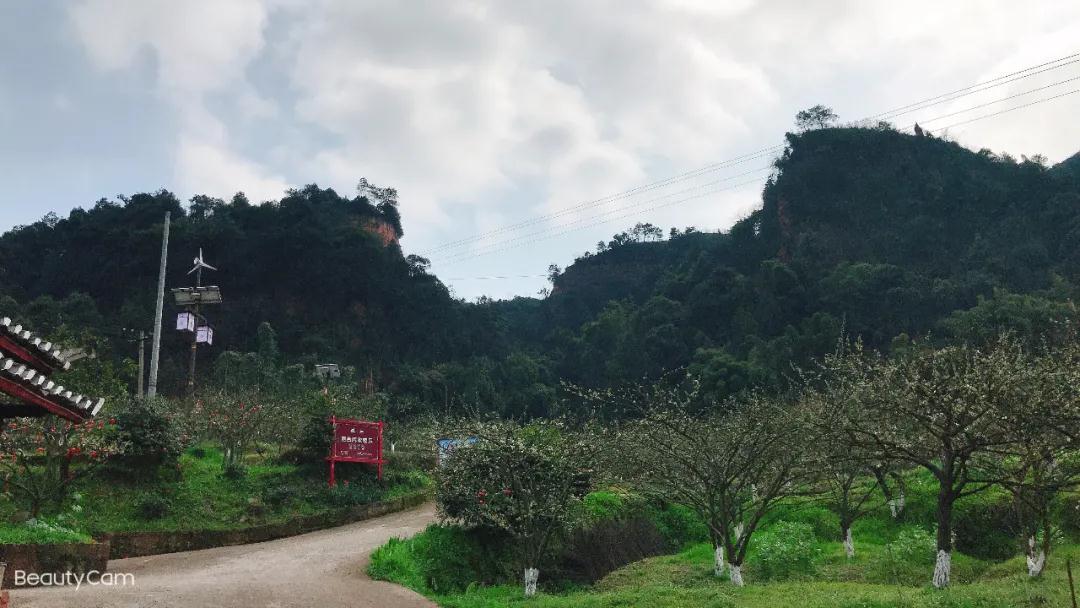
x: 202, y: 498
x: 892, y: 567
x: 685, y: 581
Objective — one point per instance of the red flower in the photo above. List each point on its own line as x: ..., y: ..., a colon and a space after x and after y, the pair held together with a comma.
x: 507, y: 491
x: 93, y: 453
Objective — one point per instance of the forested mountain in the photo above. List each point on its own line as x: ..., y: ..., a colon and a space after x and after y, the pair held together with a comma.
x: 324, y: 270
x: 868, y: 232
x: 864, y: 232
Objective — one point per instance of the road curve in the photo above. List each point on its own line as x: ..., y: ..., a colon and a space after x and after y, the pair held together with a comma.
x: 322, y: 569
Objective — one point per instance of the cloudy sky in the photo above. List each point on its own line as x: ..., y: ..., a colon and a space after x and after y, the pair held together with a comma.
x: 488, y: 115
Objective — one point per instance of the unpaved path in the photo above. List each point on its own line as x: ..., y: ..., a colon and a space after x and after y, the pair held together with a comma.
x: 323, y: 569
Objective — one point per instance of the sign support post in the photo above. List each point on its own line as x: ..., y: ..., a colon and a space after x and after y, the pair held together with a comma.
x: 356, y: 441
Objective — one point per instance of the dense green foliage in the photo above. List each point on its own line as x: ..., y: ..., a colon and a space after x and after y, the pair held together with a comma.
x: 868, y: 232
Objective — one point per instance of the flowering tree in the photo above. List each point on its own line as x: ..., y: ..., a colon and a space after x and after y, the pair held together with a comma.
x: 234, y: 420
x: 41, y: 457
x: 1042, y: 460
x: 731, y: 463
x: 937, y: 409
x: 521, y: 479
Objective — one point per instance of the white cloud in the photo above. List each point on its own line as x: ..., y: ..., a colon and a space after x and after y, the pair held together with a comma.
x: 479, y: 109
x: 208, y: 169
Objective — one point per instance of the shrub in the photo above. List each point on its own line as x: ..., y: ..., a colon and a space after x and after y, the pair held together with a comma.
x: 604, y: 504
x: 152, y: 506
x: 985, y: 525
x: 1068, y: 513
x: 906, y: 560
x: 446, y: 559
x: 593, y: 552
x: 913, y: 546
x: 824, y: 523
x: 679, y: 525
x: 785, y: 550
x: 152, y: 441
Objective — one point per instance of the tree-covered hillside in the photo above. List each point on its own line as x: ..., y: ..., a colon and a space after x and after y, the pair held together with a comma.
x: 867, y: 232
x: 324, y: 270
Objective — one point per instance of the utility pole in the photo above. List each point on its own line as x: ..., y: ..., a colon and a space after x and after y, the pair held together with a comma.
x: 195, y: 336
x: 155, y: 351
x: 142, y: 363
x: 192, y: 300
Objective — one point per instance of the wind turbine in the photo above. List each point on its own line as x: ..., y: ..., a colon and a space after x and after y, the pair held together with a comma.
x: 199, y: 265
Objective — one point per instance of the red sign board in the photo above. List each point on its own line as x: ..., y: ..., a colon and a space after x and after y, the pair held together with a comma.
x: 356, y: 441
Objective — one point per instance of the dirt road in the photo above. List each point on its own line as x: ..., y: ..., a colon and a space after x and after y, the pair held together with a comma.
x: 319, y: 570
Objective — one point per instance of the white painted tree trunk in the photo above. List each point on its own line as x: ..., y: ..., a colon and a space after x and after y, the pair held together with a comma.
x: 718, y: 561
x: 736, y: 575
x: 896, y: 505
x: 849, y: 544
x: 532, y: 576
x: 1036, y: 558
x: 942, y: 569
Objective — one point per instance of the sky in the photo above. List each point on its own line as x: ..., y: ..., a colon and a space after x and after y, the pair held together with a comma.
x: 517, y: 133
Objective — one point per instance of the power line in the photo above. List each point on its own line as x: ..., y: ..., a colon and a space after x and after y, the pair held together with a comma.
x: 918, y: 105
x: 1007, y: 110
x: 947, y: 99
x: 1074, y: 58
x: 611, y: 198
x: 617, y: 210
x: 499, y: 247
x: 452, y: 261
x: 996, y: 101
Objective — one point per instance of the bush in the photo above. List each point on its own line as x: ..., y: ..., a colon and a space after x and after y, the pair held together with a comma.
x: 446, y: 559
x: 679, y: 525
x: 592, y: 553
x: 604, y: 504
x: 1068, y: 513
x: 152, y: 506
x: 785, y: 550
x: 152, y: 439
x: 913, y: 546
x: 985, y: 525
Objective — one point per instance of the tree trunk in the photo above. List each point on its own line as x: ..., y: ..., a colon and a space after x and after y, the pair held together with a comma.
x: 943, y: 565
x: 718, y: 560
x: 849, y: 542
x: 736, y: 575
x: 1036, y: 557
x: 532, y: 576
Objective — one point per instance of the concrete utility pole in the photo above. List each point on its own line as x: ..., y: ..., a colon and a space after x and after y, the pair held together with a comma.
x: 142, y: 363
x: 155, y: 351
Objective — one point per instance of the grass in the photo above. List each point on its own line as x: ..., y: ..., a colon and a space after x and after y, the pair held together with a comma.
x: 202, y: 498
x: 892, y: 568
x: 685, y: 581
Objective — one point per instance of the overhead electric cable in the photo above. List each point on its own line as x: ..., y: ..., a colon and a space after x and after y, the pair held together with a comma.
x: 502, y: 245
x: 918, y: 105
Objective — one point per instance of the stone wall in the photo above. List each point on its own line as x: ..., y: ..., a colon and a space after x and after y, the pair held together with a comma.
x: 138, y: 544
x: 40, y: 559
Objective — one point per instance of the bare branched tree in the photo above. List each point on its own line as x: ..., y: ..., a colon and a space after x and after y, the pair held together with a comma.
x: 731, y: 463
